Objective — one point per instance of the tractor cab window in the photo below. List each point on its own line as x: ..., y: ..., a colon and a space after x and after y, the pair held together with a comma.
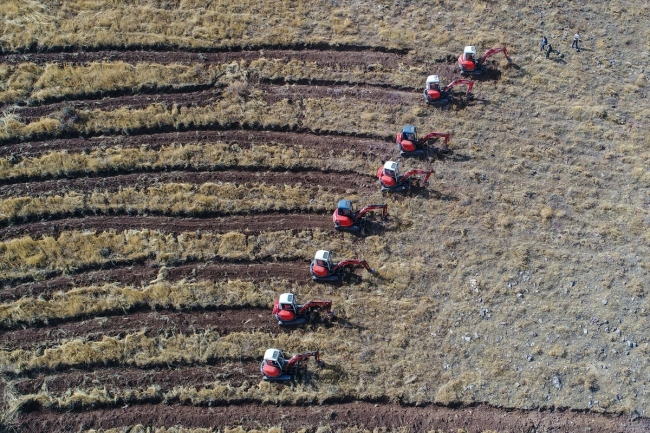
x: 470, y: 56
x: 345, y: 212
x: 389, y: 172
x: 410, y: 136
x: 321, y: 263
x: 434, y: 86
x: 287, y: 307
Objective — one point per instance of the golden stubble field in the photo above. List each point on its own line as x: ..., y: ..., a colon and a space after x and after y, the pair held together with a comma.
x: 518, y: 279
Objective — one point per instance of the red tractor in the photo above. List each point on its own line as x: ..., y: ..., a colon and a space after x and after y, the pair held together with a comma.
x: 324, y: 270
x: 469, y: 65
x: 347, y: 220
x: 391, y: 181
x: 289, y: 313
x: 410, y: 145
x: 434, y: 95
x: 276, y: 368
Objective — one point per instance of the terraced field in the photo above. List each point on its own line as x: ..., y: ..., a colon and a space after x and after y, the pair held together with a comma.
x: 163, y: 179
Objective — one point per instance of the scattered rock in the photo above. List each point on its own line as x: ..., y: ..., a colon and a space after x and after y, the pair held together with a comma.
x: 557, y: 383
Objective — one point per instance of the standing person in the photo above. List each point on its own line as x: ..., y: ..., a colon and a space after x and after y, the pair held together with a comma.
x: 549, y: 50
x: 544, y: 42
x: 576, y: 38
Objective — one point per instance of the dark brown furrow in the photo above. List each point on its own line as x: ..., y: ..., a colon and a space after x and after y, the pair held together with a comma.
x: 321, y: 57
x: 116, y: 379
x: 154, y: 323
x: 335, y: 182
x: 137, y: 274
x: 274, y: 93
x: 323, y: 144
x: 473, y: 419
x: 252, y: 224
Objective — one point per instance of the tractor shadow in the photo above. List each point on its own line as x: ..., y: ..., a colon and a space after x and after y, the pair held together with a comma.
x: 344, y: 323
x: 432, y: 193
x: 457, y: 157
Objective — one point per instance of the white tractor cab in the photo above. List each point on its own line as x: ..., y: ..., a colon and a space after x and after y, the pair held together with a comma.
x: 433, y: 82
x: 322, y: 264
x: 390, y: 168
x: 273, y: 365
x: 388, y: 176
x: 287, y: 301
x: 469, y: 53
x: 285, y: 311
x: 433, y: 93
x: 467, y: 61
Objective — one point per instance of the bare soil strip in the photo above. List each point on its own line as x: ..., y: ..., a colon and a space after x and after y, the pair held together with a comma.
x: 136, y: 274
x: 154, y: 323
x: 338, y: 416
x: 325, y: 144
x: 335, y: 182
x: 255, y: 223
x: 182, y: 99
x: 328, y: 56
x: 116, y: 379
x: 274, y: 93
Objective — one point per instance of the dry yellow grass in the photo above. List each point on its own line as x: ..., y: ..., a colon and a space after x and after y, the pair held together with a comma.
x: 72, y: 250
x: 97, y: 300
x: 173, y: 199
x: 32, y: 82
x: 195, y: 156
x: 322, y: 115
x: 529, y: 267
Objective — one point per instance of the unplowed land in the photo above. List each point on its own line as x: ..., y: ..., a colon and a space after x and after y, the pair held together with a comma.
x: 154, y: 203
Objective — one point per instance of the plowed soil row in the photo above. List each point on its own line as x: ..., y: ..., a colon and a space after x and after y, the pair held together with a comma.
x: 338, y: 416
x: 323, y: 57
x: 154, y: 323
x: 324, y: 144
x: 255, y: 223
x: 274, y: 93
x: 293, y: 272
x: 335, y: 182
x: 183, y: 99
x: 116, y: 379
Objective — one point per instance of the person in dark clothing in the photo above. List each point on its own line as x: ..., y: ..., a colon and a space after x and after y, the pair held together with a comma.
x: 549, y: 50
x: 544, y: 43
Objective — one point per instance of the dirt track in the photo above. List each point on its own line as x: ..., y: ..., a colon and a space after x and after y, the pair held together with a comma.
x: 120, y: 378
x: 337, y: 416
x: 202, y: 98
x: 338, y: 182
x: 323, y: 144
x: 153, y: 322
x: 251, y: 223
x: 136, y: 274
x: 356, y: 58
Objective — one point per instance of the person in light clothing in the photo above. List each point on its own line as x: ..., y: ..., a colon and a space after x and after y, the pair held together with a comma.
x: 576, y: 38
